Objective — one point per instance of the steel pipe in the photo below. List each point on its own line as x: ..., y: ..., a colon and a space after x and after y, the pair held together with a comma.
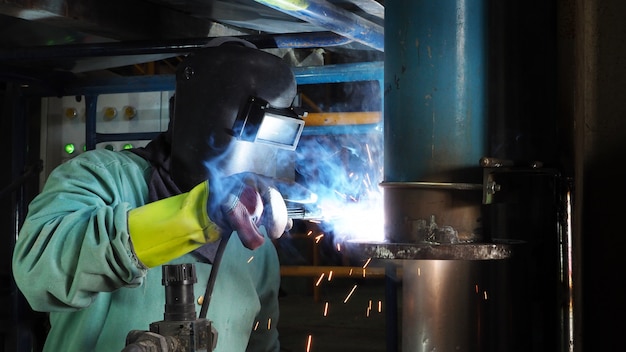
x: 332, y: 18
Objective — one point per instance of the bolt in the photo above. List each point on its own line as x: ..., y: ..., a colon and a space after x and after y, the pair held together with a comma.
x: 188, y: 72
x: 493, y: 187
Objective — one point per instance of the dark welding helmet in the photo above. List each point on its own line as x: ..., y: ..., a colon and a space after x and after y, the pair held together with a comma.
x: 232, y: 114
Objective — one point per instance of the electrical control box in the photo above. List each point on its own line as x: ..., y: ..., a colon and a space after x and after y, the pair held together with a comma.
x: 63, y: 124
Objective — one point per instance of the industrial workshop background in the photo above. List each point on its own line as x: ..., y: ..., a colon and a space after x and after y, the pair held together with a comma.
x: 537, y: 121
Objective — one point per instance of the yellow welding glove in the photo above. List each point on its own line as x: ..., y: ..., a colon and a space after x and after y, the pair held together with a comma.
x: 171, y: 227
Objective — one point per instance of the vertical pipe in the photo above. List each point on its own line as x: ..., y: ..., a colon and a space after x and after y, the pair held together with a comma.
x: 391, y: 301
x: 435, y: 126
x: 434, y: 115
x: 434, y: 89
x: 459, y: 305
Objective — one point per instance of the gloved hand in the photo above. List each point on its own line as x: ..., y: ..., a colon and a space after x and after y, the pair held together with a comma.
x: 171, y: 227
x: 244, y: 202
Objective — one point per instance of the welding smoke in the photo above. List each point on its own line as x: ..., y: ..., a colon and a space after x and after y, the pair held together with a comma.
x: 345, y: 172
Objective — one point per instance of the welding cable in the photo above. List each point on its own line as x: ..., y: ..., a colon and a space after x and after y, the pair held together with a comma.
x: 213, y: 276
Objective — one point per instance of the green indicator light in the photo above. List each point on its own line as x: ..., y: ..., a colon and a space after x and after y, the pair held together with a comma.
x: 127, y: 146
x: 84, y: 148
x: 69, y: 148
x: 109, y: 147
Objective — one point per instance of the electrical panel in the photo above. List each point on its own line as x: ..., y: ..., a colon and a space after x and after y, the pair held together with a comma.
x: 63, y: 125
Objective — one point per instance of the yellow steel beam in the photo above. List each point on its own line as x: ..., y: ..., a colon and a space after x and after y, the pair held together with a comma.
x: 342, y: 118
x: 338, y: 271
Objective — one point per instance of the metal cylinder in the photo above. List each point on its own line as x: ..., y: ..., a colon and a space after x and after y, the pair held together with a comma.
x: 456, y: 305
x: 435, y: 122
x: 435, y: 128
x: 419, y: 212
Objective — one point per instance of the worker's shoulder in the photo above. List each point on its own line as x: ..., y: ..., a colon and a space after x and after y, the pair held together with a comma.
x: 107, y: 159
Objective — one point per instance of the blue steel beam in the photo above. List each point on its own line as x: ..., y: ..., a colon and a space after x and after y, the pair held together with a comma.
x: 369, y: 71
x: 92, y: 88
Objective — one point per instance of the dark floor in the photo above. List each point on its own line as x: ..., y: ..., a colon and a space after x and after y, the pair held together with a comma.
x: 346, y: 327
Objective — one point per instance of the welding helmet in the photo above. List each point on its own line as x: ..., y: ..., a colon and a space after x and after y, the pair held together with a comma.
x: 232, y: 113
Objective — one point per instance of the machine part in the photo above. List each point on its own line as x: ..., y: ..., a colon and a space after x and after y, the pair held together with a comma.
x: 459, y: 297
x: 495, y: 162
x: 423, y: 212
x: 180, y: 330
x: 435, y: 119
x: 146, y: 341
x: 496, y: 250
x: 457, y: 305
x: 179, y: 299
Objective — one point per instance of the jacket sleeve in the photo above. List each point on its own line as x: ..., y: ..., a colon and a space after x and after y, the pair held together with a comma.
x: 74, y: 242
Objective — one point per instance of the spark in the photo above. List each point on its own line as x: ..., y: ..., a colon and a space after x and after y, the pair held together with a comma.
x: 476, y: 288
x: 308, y: 343
x: 326, y: 309
x: 367, y: 312
x: 369, y: 154
x: 419, y: 272
x: 349, y: 294
x: 485, y: 295
x: 367, y: 181
x: 330, y: 275
x: 256, y: 326
x: 338, y: 247
x: 350, y: 272
x: 380, y: 306
x: 367, y: 262
x: 249, y: 260
x: 320, y: 279
x: 363, y: 272
x: 309, y: 233
x: 269, y: 324
x: 342, y: 195
x: 318, y: 238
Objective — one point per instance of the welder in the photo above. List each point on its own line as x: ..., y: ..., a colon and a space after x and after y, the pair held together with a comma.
x: 91, y: 247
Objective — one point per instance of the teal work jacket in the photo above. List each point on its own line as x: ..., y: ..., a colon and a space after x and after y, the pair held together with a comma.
x: 73, y: 258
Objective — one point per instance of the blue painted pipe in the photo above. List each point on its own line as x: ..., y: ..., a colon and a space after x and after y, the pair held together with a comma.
x: 164, y: 47
x: 332, y: 18
x: 435, y: 82
x: 362, y: 71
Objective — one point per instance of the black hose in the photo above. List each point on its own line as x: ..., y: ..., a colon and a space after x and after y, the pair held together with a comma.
x: 213, y: 276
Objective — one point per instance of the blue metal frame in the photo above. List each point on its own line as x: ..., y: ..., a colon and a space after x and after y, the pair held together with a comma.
x: 91, y: 89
